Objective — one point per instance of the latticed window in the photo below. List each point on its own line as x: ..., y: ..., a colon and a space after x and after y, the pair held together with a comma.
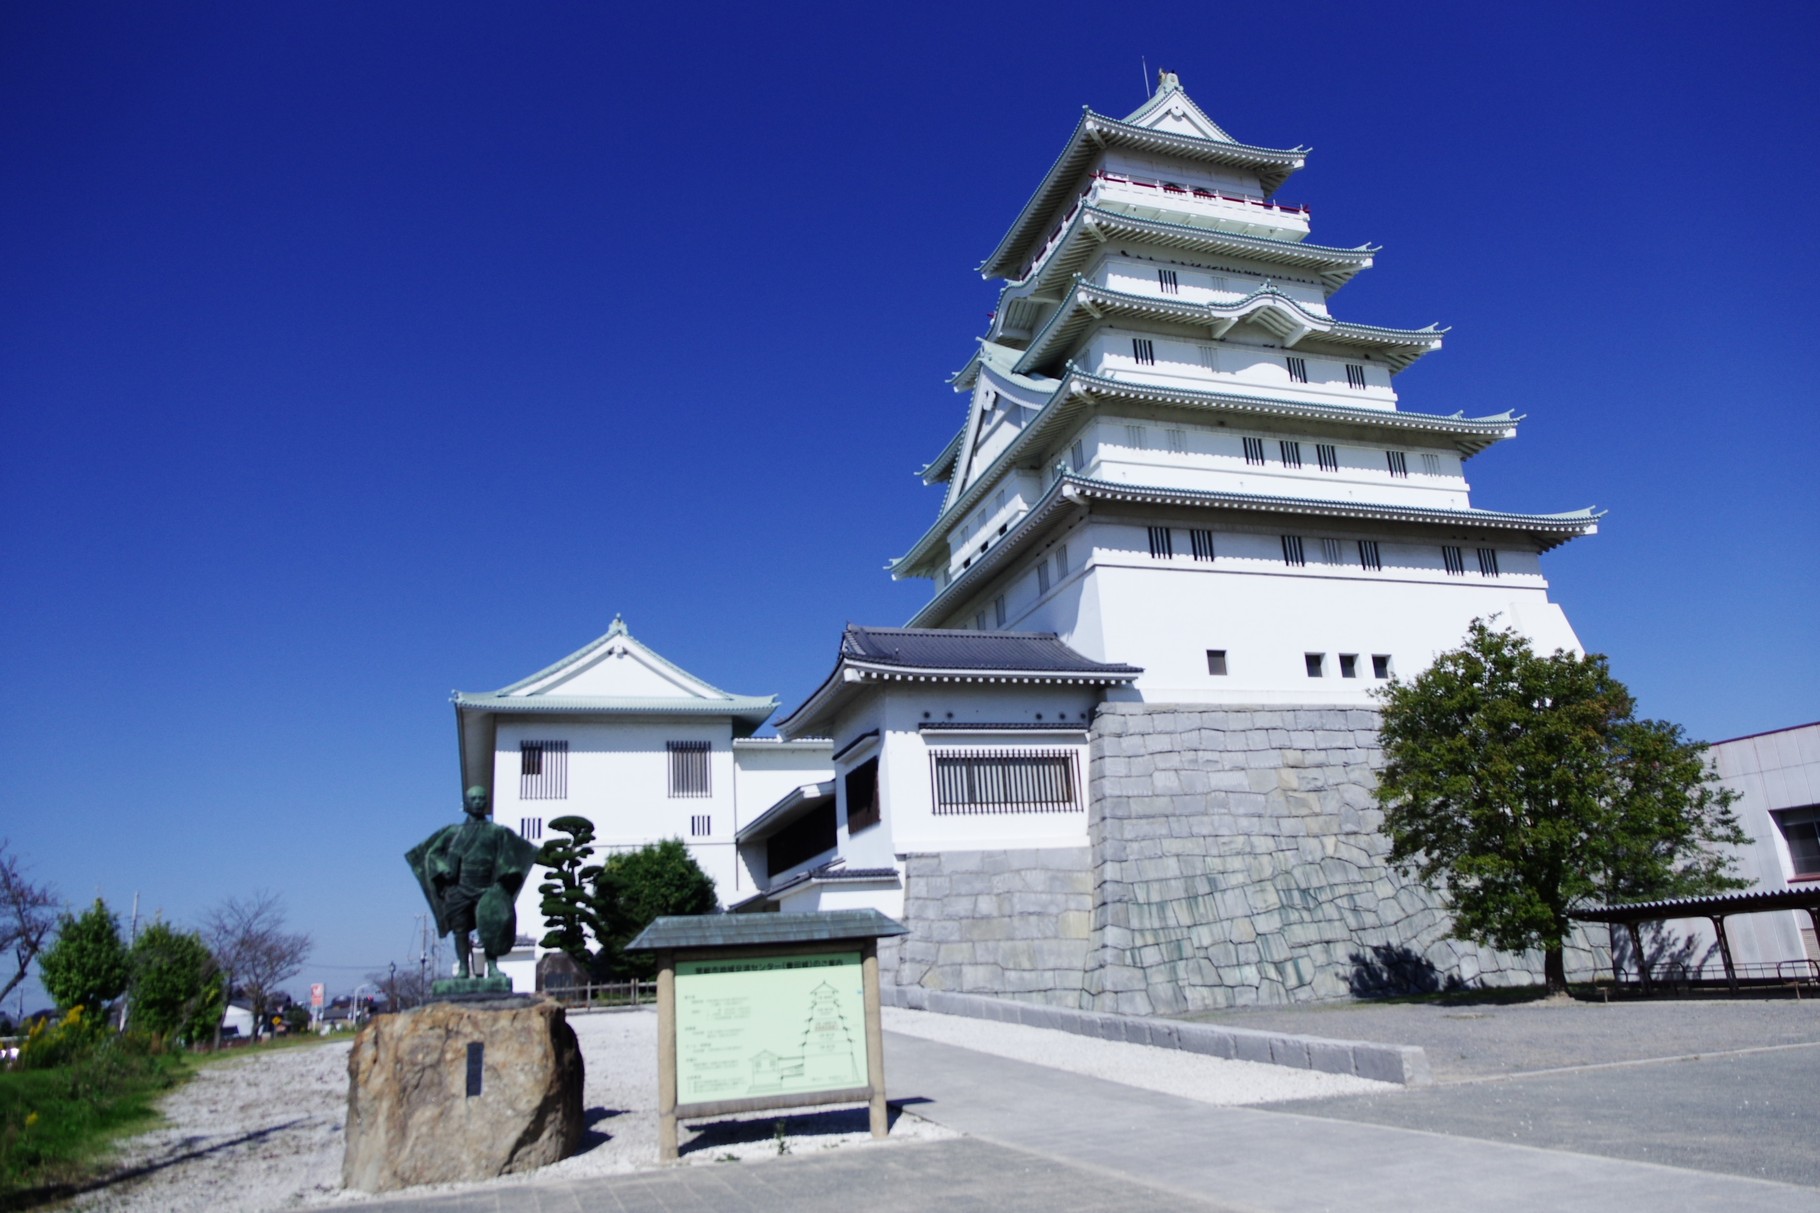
x: 1292, y: 551
x: 1488, y: 562
x: 1162, y: 545
x: 1369, y: 560
x: 1006, y: 781
x: 543, y: 770
x: 1355, y: 377
x: 1455, y: 562
x: 1144, y: 351
x: 1801, y: 829
x: 1291, y: 452
x: 1167, y: 280
x: 1254, y: 451
x: 1200, y: 541
x: 1298, y: 369
x: 688, y: 768
x: 1328, y: 456
x: 1398, y: 461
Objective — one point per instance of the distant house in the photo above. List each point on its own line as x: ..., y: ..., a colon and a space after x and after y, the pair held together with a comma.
x: 640, y: 747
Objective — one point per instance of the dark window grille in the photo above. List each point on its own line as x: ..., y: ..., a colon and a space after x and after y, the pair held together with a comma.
x: 1298, y: 369
x: 807, y: 837
x: 1254, y: 451
x: 1329, y: 457
x: 1167, y: 280
x: 1330, y: 551
x: 1355, y: 377
x: 1061, y: 561
x: 1162, y: 545
x: 1292, y: 453
x: 1042, y: 576
x: 543, y: 770
x: 1144, y: 350
x: 1455, y: 562
x: 530, y: 828
x: 862, y: 796
x: 1292, y: 551
x: 1398, y: 461
x: 1216, y: 661
x: 1010, y: 781
x: 688, y: 768
x: 1200, y: 542
x: 1488, y: 562
x: 1368, y: 556
x: 1801, y: 829
x: 701, y: 825
x: 998, y: 610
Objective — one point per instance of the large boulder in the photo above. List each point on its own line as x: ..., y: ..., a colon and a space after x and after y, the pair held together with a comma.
x: 424, y: 1107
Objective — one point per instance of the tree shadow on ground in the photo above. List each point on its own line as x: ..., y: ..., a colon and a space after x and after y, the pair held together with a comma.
x: 180, y: 1152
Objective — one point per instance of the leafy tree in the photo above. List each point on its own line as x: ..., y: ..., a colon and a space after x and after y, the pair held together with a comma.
x: 28, y: 912
x: 176, y: 988
x: 255, y: 951
x: 568, y: 906
x: 1525, y: 786
x: 635, y: 887
x: 87, y: 965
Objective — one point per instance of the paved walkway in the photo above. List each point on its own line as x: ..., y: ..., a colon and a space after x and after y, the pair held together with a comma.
x: 1043, y: 1139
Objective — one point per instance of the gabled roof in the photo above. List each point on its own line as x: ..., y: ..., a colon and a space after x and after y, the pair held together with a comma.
x: 1071, y: 494
x: 613, y: 675
x: 875, y: 655
x: 1088, y: 304
x: 1096, y: 132
x: 1171, y: 109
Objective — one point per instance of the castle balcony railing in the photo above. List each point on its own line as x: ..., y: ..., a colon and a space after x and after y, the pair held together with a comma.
x: 1103, y: 184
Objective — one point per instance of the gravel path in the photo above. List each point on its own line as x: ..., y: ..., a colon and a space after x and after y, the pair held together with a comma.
x: 264, y: 1132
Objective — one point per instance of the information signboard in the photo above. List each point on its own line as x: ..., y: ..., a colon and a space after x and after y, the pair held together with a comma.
x: 758, y: 1026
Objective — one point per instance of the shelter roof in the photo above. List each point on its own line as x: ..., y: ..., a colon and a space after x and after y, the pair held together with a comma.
x: 679, y: 931
x: 1719, y: 904
x: 1146, y: 130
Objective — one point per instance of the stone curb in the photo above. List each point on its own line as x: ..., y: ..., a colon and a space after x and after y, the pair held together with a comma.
x: 1404, y: 1064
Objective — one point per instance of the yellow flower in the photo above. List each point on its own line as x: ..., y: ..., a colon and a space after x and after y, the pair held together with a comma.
x: 31, y: 1118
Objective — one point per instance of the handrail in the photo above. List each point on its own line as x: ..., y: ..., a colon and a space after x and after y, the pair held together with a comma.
x: 1200, y: 193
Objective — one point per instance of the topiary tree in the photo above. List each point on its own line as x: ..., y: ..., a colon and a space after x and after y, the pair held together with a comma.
x: 635, y: 887
x: 568, y: 906
x: 175, y: 989
x: 87, y: 966
x: 1524, y: 786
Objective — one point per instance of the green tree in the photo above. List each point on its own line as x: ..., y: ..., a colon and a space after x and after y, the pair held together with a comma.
x: 569, y: 907
x: 87, y: 965
x: 176, y: 988
x: 635, y: 887
x: 1524, y: 786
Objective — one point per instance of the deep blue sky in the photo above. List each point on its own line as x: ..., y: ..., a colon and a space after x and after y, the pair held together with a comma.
x: 352, y: 353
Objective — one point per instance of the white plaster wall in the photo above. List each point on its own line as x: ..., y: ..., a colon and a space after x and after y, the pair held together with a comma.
x: 1135, y: 273
x: 1239, y: 362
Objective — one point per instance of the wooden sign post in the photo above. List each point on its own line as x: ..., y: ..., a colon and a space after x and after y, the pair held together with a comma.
x: 763, y: 1011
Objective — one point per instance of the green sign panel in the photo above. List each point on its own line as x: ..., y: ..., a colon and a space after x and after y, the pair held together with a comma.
x: 754, y: 1026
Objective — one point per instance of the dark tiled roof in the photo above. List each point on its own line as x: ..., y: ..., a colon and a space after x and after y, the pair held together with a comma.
x: 1750, y: 902
x: 945, y: 649
x: 731, y: 930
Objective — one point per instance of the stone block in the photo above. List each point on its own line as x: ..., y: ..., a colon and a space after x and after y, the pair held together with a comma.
x: 421, y: 1111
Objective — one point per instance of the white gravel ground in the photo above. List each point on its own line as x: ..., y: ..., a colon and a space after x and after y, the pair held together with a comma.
x: 1171, y: 1071
x: 265, y: 1132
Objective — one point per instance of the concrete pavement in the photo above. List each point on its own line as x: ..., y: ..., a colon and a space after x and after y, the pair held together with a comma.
x: 1044, y: 1139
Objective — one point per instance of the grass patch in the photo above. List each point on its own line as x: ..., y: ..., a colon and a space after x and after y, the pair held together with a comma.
x: 57, y: 1121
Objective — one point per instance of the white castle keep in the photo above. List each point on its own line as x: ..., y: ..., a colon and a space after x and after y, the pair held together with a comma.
x: 1122, y: 758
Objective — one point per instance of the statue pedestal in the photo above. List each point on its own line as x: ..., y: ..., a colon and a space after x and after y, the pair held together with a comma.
x: 461, y: 1090
x: 460, y: 987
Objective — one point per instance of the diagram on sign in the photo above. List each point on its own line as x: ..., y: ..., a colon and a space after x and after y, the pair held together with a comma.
x: 828, y: 1048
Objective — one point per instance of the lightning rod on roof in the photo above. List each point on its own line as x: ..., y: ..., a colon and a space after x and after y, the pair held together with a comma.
x: 1144, y: 69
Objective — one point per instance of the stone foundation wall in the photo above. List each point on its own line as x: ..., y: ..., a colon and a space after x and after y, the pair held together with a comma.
x: 1013, y: 924
x: 1237, y: 860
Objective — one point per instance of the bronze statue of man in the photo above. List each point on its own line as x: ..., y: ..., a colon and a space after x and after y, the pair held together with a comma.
x: 471, y: 874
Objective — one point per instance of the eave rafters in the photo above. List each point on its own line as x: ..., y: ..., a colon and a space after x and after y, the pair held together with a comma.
x: 1268, y: 307
x: 1070, y: 494
x: 1078, y: 392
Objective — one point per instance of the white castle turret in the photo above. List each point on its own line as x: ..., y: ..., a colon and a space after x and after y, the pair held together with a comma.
x: 1176, y: 457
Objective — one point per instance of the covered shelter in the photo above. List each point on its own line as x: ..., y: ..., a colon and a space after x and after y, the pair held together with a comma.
x: 1716, y: 909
